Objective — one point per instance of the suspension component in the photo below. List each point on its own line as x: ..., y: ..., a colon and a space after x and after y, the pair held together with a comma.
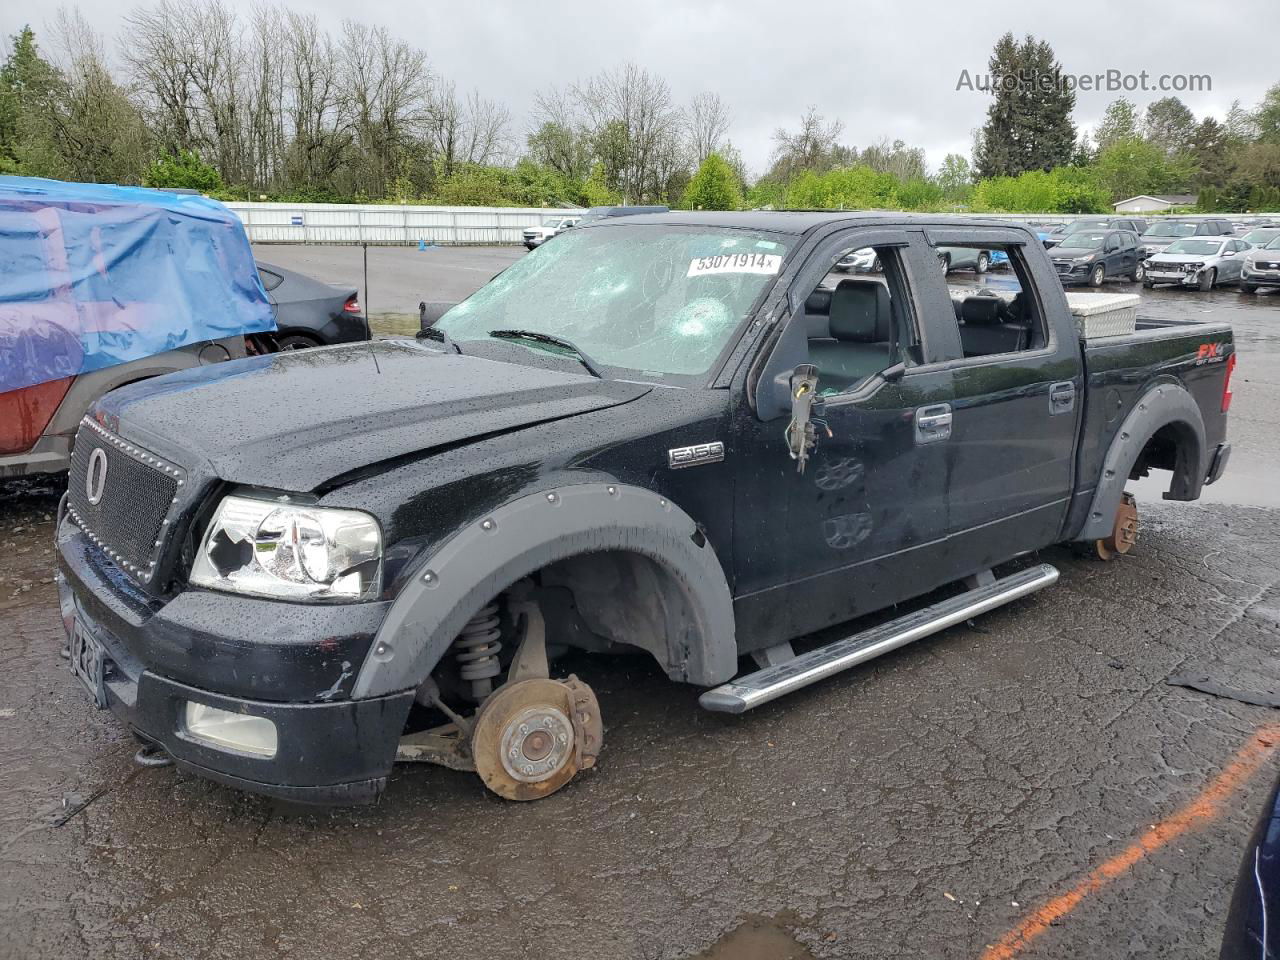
x: 476, y: 650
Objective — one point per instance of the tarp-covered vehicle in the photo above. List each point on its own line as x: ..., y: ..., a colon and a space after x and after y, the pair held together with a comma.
x: 102, y: 286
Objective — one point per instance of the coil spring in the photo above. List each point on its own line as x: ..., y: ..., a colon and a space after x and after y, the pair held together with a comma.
x: 476, y: 650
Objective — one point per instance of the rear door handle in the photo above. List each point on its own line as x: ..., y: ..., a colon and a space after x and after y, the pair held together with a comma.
x: 1062, y: 398
x: 933, y: 423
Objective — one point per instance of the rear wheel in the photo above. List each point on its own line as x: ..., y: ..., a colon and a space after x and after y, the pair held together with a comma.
x: 296, y: 341
x: 1097, y: 275
x: 1208, y: 279
x: 1124, y: 534
x: 984, y: 262
x: 1140, y: 275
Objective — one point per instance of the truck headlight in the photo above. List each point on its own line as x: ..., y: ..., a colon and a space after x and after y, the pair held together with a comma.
x: 290, y: 551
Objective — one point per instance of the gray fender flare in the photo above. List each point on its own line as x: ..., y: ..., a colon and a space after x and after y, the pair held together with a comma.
x: 521, y: 537
x: 1163, y: 405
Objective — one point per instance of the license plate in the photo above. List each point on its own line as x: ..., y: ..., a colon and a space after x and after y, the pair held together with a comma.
x: 88, y: 663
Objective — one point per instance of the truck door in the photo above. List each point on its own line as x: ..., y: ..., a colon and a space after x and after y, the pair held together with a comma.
x: 849, y: 533
x: 1018, y: 391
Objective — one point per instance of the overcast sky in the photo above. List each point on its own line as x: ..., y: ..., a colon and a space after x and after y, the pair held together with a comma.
x: 886, y: 70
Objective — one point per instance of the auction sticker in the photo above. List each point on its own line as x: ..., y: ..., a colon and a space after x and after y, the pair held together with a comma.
x: 765, y: 263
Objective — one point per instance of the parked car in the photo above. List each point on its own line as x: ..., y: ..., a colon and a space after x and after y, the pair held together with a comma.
x: 1251, y: 932
x: 964, y: 258
x: 1093, y: 224
x: 1055, y: 235
x: 860, y: 261
x: 1159, y: 235
x: 1261, y: 267
x: 105, y: 286
x: 1201, y: 262
x: 309, y: 313
x: 438, y: 532
x: 1091, y: 256
x: 537, y: 236
x: 1261, y: 236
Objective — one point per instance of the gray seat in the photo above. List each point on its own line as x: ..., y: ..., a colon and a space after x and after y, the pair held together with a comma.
x: 983, y: 331
x: 861, y: 334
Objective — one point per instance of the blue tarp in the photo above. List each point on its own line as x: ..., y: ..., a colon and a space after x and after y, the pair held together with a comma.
x: 94, y: 275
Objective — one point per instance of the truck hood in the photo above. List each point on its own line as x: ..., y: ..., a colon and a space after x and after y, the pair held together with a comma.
x: 292, y: 421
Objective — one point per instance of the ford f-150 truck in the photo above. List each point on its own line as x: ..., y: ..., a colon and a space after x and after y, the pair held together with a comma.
x: 679, y: 434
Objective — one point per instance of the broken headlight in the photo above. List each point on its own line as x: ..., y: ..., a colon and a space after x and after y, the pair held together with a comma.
x: 290, y: 551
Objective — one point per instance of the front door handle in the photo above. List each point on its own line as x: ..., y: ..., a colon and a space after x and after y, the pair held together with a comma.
x: 933, y: 423
x: 1062, y: 398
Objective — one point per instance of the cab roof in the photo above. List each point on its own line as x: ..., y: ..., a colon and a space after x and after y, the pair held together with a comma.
x: 796, y: 222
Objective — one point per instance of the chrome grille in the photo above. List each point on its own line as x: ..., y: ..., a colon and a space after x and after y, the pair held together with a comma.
x: 135, y: 497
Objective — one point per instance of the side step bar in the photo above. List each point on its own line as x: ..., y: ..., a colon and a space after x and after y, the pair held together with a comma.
x: 738, y: 696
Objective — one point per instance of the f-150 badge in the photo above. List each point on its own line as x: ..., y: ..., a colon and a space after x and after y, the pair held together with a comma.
x: 696, y: 455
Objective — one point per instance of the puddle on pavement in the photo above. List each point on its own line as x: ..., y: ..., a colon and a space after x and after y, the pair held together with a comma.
x: 756, y: 940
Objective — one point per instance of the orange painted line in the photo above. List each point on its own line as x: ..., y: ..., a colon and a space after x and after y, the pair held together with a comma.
x: 1204, y: 808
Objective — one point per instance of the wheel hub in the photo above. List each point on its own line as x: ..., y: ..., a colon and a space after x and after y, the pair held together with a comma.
x: 535, y: 743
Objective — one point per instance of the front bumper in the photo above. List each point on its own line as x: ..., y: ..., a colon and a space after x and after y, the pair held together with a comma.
x: 331, y: 750
x: 1257, y: 279
x: 1174, y: 275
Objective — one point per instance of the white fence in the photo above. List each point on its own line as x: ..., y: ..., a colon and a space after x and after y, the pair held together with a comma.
x: 386, y: 224
x: 390, y: 224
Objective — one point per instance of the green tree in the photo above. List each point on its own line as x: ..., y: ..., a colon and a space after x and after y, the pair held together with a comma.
x: 186, y: 171
x: 1119, y: 122
x: 1209, y: 149
x: 30, y: 88
x: 1267, y: 116
x: 1028, y: 124
x: 955, y: 178
x: 1135, y: 166
x: 714, y: 186
x: 1169, y: 124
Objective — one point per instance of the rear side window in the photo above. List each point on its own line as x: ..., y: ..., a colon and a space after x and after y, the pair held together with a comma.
x: 992, y: 298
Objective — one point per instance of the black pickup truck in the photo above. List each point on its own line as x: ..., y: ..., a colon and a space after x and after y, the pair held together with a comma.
x: 681, y: 434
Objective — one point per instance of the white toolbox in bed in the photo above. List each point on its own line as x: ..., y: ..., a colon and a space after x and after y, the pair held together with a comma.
x: 1104, y: 314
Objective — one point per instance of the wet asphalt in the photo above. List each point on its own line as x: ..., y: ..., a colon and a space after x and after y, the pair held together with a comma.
x: 920, y: 806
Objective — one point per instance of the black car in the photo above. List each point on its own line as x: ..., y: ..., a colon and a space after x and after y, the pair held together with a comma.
x: 1136, y: 224
x: 1090, y: 256
x: 310, y: 313
x: 1248, y: 935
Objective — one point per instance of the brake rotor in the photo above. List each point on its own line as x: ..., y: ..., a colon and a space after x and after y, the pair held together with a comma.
x: 1124, y: 533
x: 532, y: 737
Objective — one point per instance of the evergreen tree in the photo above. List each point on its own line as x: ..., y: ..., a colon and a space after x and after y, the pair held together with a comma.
x: 1170, y: 125
x: 1119, y: 122
x: 30, y: 88
x: 1267, y: 116
x: 1029, y: 123
x: 1208, y: 149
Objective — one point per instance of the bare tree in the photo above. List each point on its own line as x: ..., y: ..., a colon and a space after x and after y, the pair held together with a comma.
x: 473, y: 131
x: 559, y: 138
x: 708, y: 123
x: 318, y: 136
x: 815, y: 146
x: 386, y: 91
x: 634, y: 124
x: 97, y: 130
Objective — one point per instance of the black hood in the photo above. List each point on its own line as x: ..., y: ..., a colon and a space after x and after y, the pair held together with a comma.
x: 294, y: 420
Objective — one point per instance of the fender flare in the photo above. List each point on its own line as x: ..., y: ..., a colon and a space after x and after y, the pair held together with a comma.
x: 1167, y: 404
x: 523, y: 536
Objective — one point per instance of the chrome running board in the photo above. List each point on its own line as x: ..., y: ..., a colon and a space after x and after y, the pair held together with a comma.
x: 749, y: 691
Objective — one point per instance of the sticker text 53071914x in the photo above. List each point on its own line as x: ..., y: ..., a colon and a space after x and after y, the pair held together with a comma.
x: 765, y: 263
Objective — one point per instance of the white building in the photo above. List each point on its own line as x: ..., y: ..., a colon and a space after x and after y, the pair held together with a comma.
x: 1149, y: 204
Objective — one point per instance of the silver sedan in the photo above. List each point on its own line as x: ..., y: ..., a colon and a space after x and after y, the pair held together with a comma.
x: 1200, y: 262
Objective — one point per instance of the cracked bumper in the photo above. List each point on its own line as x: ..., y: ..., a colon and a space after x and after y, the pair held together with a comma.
x: 331, y: 749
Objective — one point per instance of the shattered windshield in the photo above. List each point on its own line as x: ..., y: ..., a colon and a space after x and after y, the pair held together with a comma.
x: 656, y: 300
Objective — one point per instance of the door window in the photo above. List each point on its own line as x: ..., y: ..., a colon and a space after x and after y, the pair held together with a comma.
x: 994, y: 312
x: 858, y: 319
